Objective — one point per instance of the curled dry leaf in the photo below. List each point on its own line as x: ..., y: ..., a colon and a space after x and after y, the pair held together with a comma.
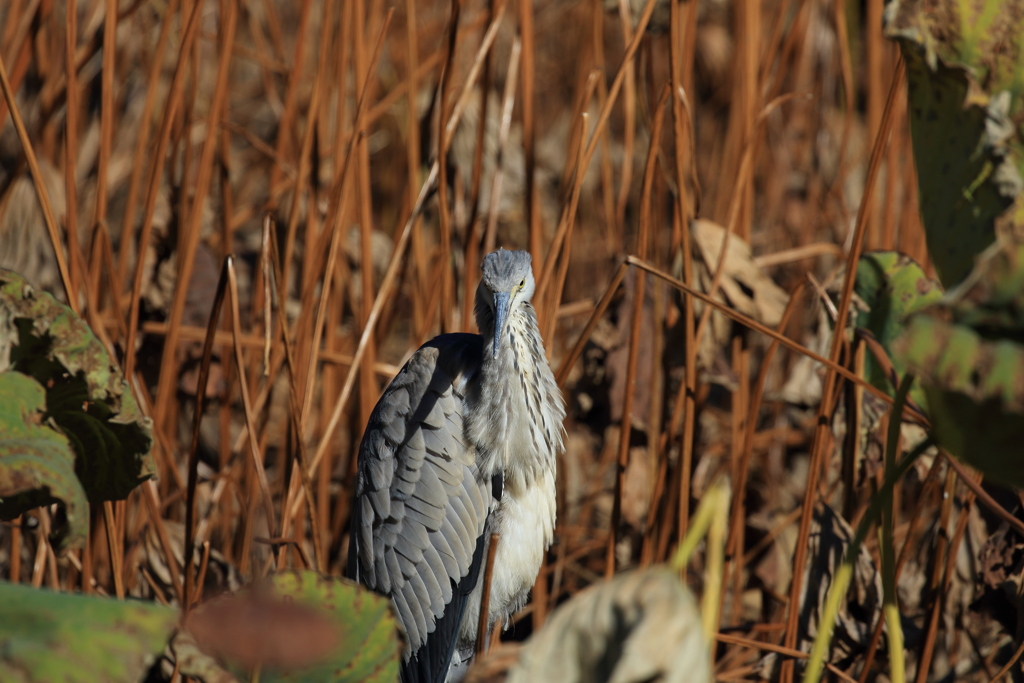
x: 742, y: 285
x: 640, y: 626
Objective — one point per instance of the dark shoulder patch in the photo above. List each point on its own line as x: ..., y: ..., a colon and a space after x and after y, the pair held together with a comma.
x: 497, y: 485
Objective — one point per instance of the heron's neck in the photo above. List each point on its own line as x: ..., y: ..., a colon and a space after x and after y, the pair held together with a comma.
x: 521, y: 426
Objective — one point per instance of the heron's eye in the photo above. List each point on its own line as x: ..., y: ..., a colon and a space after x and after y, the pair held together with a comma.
x: 522, y: 283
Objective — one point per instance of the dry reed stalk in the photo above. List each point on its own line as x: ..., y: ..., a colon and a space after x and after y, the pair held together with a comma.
x: 744, y: 178
x: 71, y: 147
x: 141, y: 148
x: 174, y: 98
x: 629, y: 102
x: 555, y: 298
x: 485, y: 599
x: 282, y: 144
x: 588, y: 154
x: 946, y: 572
x: 931, y: 482
x: 605, y: 161
x: 471, y: 249
x: 681, y: 66
x: 634, y: 335
x: 820, y: 439
x: 412, y: 152
x: 400, y: 246
x: 193, y: 459
x: 335, y: 229
x: 17, y: 36
x: 106, y: 122
x: 526, y: 107
x: 369, y: 390
x: 257, y: 457
x: 738, y: 514
x: 41, y: 192
x: 304, y: 171
x: 746, y: 321
x: 444, y: 265
x: 491, y: 232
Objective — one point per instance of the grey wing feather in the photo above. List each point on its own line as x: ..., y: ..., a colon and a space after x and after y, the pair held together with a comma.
x: 421, y: 504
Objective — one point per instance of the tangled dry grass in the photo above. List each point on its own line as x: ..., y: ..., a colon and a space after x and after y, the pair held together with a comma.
x: 748, y: 151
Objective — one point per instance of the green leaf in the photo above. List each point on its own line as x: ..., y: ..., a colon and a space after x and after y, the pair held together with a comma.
x: 991, y: 300
x: 37, y: 465
x: 47, y: 636
x: 86, y: 395
x: 893, y: 286
x: 964, y: 76
x: 975, y: 391
x: 264, y: 627
x: 968, y: 351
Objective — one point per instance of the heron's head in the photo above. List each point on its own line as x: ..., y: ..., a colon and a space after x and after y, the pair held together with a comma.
x: 506, y: 283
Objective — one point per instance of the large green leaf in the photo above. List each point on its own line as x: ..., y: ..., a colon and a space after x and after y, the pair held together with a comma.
x: 47, y: 637
x: 968, y: 352
x: 975, y: 391
x: 281, y: 628
x: 991, y: 300
x: 37, y: 465
x: 86, y: 395
x: 965, y: 78
x: 893, y: 286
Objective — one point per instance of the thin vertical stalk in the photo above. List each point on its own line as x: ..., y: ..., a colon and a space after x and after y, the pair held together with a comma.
x: 890, y: 601
x: 142, y: 146
x: 591, y: 148
x: 368, y: 387
x: 634, y: 335
x: 629, y: 102
x: 114, y: 548
x: 400, y: 246
x: 190, y: 240
x: 193, y: 453
x: 71, y: 145
x: 287, y: 120
x: 844, y: 574
x: 526, y: 34
x: 444, y: 216
x: 106, y: 115
x: 37, y: 180
x: 838, y: 337
x: 174, y: 98
x: 412, y: 151
x: 682, y: 219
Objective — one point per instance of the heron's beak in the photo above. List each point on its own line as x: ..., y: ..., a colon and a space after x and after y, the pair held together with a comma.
x: 502, y: 304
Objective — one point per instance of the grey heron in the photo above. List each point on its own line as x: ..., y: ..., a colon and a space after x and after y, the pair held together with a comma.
x: 461, y: 444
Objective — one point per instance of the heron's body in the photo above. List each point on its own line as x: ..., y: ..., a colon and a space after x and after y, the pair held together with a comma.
x: 462, y: 444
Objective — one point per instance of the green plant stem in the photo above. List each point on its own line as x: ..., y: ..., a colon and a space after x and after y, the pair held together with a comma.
x: 701, y: 523
x: 843, y: 575
x: 890, y: 606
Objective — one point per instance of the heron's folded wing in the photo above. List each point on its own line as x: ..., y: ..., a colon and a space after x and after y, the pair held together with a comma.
x: 421, y: 509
